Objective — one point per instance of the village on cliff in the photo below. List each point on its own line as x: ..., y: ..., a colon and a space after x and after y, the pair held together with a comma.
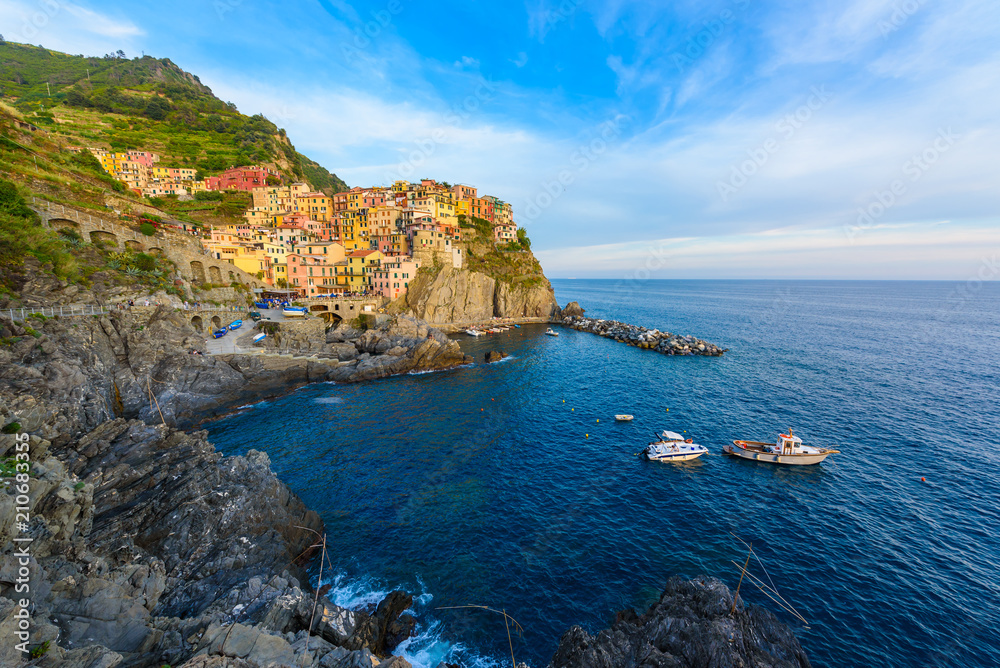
x: 361, y: 241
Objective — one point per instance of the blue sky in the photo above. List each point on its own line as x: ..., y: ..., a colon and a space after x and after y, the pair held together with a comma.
x: 728, y: 139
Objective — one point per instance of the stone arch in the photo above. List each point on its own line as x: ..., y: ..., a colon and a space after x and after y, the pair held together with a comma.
x: 131, y: 244
x: 336, y: 307
x: 330, y: 317
x: 197, y: 271
x: 232, y: 277
x: 197, y: 323
x: 216, y: 322
x: 100, y: 236
x: 155, y: 251
x: 319, y: 307
x: 215, y: 274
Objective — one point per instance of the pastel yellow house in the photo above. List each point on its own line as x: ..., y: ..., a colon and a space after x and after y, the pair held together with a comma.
x: 359, y: 271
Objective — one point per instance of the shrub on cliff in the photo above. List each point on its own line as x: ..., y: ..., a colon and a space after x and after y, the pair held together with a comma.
x: 21, y: 234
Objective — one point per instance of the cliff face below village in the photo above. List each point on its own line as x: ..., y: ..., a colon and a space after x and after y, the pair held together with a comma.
x: 491, y: 283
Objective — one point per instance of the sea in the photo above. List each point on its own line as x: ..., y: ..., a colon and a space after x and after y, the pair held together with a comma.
x: 509, y: 489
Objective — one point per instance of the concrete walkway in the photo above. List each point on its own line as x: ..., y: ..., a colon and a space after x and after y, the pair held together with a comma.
x: 227, y: 344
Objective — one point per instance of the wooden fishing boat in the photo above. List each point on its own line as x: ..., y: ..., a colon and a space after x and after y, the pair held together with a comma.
x: 219, y: 333
x: 294, y: 311
x: 235, y: 324
x: 789, y: 449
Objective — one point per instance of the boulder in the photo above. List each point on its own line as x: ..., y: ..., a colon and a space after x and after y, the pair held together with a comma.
x: 495, y: 356
x: 690, y: 625
x: 572, y: 309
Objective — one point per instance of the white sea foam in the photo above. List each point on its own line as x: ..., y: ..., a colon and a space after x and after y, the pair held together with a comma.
x: 329, y: 400
x: 428, y: 647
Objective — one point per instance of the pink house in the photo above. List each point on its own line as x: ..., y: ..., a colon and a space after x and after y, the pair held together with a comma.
x: 240, y: 178
x: 393, y: 278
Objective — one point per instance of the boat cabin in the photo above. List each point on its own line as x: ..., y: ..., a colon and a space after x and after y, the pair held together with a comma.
x: 789, y: 444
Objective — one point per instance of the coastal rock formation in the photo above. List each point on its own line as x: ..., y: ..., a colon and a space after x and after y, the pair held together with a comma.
x: 689, y: 626
x: 647, y: 339
x: 572, y: 310
x: 451, y: 295
x: 148, y: 547
x: 495, y: 356
x: 67, y: 376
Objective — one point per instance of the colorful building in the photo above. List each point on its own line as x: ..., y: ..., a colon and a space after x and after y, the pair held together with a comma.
x: 393, y: 277
x: 241, y: 178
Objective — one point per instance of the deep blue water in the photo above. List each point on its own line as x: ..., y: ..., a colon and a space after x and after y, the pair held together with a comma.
x: 496, y: 485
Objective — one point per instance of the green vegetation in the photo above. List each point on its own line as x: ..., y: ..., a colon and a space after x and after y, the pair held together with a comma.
x: 147, y: 229
x: 39, y: 651
x: 22, y: 234
x: 8, y: 467
x: 11, y: 428
x: 146, y: 104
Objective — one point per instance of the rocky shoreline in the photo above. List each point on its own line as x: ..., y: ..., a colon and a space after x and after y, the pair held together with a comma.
x: 640, y: 337
x: 690, y: 625
x: 150, y: 548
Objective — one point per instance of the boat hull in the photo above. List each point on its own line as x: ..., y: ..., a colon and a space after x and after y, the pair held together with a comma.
x: 774, y: 458
x: 293, y: 313
x: 682, y: 457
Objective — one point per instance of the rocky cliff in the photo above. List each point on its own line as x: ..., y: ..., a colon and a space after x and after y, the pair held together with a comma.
x: 149, y: 548
x: 690, y: 626
x: 449, y: 295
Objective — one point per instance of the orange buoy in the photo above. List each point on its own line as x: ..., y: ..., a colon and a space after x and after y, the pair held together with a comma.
x: 923, y: 480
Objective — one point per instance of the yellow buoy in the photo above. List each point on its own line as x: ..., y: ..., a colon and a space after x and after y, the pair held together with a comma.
x: 572, y: 409
x: 598, y: 420
x: 587, y: 435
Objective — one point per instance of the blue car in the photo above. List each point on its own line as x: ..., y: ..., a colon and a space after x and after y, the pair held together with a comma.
x: 219, y: 333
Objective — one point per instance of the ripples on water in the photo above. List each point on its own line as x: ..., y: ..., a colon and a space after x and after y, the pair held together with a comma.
x: 496, y: 484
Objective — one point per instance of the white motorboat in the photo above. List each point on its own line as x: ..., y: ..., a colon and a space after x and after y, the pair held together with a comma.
x: 623, y: 418
x: 788, y: 450
x: 551, y: 332
x: 474, y: 332
x: 672, y: 447
x: 294, y: 311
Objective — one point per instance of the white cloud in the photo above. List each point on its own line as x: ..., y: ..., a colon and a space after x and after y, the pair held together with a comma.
x: 66, y: 26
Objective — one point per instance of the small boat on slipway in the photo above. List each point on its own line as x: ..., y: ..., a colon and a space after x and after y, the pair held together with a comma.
x: 672, y: 447
x: 294, y: 311
x: 788, y: 450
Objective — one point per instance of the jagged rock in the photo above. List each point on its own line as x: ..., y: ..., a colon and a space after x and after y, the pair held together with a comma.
x: 572, y: 309
x: 690, y: 625
x: 381, y: 631
x: 495, y: 356
x: 343, y: 351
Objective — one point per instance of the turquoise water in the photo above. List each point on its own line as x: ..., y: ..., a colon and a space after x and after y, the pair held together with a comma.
x: 496, y: 485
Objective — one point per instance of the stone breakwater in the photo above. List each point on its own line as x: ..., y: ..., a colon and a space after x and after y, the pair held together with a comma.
x: 647, y: 339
